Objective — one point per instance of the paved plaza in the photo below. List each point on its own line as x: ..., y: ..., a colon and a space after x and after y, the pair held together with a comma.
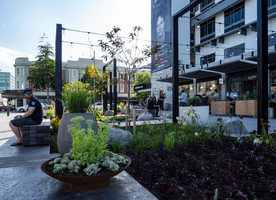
x: 21, y: 177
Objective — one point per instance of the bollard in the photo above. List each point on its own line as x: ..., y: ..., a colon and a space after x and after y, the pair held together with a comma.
x: 8, y: 111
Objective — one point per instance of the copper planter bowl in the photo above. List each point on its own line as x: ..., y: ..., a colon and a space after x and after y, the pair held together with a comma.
x: 84, y: 180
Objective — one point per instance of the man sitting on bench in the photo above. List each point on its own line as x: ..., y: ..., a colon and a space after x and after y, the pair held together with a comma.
x: 152, y: 105
x: 33, y: 116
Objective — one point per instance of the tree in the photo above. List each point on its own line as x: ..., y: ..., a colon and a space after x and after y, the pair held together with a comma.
x: 126, y: 53
x: 141, y: 78
x: 92, y: 72
x: 42, y: 76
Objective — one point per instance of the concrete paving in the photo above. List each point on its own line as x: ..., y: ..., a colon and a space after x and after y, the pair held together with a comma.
x: 22, y: 178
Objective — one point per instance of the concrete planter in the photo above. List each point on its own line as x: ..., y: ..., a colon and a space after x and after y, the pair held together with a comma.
x: 202, y: 111
x: 64, y: 139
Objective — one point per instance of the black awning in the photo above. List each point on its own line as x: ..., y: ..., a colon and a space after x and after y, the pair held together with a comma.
x: 182, y: 80
x: 234, y: 66
x: 142, y: 87
x: 271, y: 58
x: 12, y: 94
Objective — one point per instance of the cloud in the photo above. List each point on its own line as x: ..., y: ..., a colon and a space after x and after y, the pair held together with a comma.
x: 8, y: 56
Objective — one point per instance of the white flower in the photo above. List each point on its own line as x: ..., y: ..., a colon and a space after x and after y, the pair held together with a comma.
x: 186, y: 111
x: 196, y: 134
x: 257, y: 141
x: 192, y: 115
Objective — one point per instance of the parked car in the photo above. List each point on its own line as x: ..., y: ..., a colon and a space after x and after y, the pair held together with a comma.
x: 22, y: 108
x: 98, y: 105
x: 3, y: 108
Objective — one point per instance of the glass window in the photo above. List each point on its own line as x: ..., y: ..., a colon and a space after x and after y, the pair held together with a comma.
x: 234, y: 17
x: 74, y: 73
x: 271, y: 3
x: 208, y: 59
x: 17, y: 71
x: 206, y: 3
x: 207, y: 30
x: 121, y: 88
x: 17, y: 84
x: 234, y: 51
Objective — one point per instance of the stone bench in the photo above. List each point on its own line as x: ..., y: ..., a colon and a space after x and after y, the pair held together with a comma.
x: 36, y: 134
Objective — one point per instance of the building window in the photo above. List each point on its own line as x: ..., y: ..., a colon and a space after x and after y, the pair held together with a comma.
x: 121, y: 77
x: 22, y: 71
x: 234, y: 51
x: 271, y: 7
x: 206, y: 3
x: 207, y: 30
x: 234, y: 17
x: 17, y: 85
x: 122, y: 88
x: 271, y: 3
x: 208, y: 59
x: 17, y: 71
x: 74, y: 73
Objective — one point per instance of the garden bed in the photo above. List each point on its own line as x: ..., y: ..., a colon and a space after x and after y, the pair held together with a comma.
x: 225, y: 168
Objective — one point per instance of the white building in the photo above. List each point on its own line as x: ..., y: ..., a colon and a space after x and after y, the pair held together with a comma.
x: 218, y: 48
x: 72, y: 71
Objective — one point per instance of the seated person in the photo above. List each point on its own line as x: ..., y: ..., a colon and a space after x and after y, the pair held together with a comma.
x: 233, y: 95
x: 152, y: 105
x: 143, y: 103
x: 33, y: 116
x: 216, y: 95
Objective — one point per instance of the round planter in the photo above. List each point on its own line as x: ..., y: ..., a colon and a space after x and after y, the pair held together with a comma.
x: 64, y: 138
x: 94, y: 180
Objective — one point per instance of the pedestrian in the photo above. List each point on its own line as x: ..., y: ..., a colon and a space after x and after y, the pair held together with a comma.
x: 160, y: 102
x: 180, y: 99
x: 233, y: 95
x: 33, y: 116
x: 184, y: 97
x: 152, y: 105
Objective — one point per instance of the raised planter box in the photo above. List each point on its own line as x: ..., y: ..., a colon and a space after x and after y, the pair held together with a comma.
x: 220, y: 107
x: 203, y: 112
x: 246, y: 107
x: 36, y: 134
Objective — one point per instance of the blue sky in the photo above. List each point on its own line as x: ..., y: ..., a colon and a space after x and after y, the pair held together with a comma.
x: 23, y: 22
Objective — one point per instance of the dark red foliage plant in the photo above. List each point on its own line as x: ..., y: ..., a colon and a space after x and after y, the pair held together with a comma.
x: 225, y: 168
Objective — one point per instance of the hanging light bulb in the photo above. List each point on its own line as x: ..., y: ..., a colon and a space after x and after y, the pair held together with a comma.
x: 198, y: 26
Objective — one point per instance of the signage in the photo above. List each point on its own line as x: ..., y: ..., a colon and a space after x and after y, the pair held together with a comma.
x: 160, y: 34
x: 221, y: 81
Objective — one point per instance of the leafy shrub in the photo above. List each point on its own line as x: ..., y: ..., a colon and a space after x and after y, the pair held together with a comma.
x: 169, y: 142
x: 50, y: 112
x: 88, y: 148
x: 194, y: 101
x: 55, y: 124
x: 76, y: 98
x: 119, y: 107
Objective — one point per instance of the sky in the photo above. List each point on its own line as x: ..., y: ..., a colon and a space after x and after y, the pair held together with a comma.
x: 24, y: 22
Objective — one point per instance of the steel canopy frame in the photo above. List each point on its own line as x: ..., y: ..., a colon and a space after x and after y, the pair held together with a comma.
x: 175, y: 72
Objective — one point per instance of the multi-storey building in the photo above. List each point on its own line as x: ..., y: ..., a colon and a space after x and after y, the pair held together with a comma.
x: 218, y: 47
x: 6, y: 83
x: 72, y: 71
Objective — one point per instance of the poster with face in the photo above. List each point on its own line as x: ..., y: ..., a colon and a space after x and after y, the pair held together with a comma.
x: 160, y: 34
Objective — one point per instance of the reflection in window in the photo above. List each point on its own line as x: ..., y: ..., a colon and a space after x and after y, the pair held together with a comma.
x: 234, y: 17
x: 207, y: 30
x: 121, y: 88
x: 208, y: 59
x: 234, y: 51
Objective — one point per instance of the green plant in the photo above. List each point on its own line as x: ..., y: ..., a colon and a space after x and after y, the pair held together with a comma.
x: 76, y: 97
x: 194, y: 101
x: 55, y: 124
x: 54, y: 142
x: 50, y: 112
x: 155, y: 142
x: 88, y: 148
x: 119, y: 107
x: 98, y: 114
x: 169, y: 141
x: 117, y: 147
